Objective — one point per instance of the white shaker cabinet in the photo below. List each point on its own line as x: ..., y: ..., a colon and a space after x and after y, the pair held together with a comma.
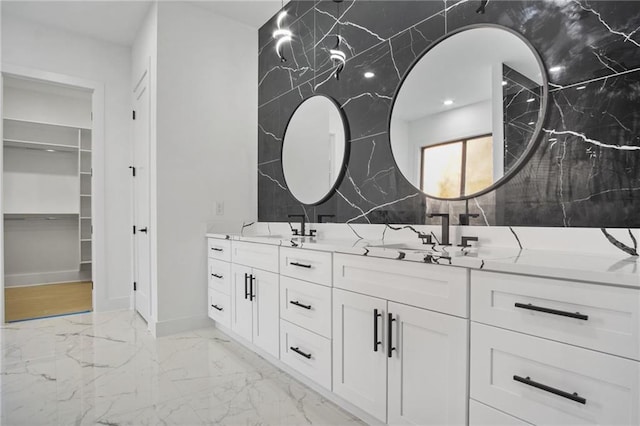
x: 428, y: 369
x: 255, y: 302
x: 359, y: 361
x: 408, y: 359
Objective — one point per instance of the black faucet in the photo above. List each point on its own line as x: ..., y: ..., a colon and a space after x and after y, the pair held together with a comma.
x: 444, y: 235
x: 302, y: 224
x: 312, y: 232
x: 465, y: 241
x: 464, y: 217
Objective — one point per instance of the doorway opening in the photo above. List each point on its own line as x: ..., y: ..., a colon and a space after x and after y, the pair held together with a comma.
x: 47, y: 198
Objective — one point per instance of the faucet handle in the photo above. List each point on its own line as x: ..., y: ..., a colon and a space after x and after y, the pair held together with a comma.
x: 426, y: 238
x: 463, y: 218
x: 312, y: 232
x: 465, y: 241
x: 295, y: 231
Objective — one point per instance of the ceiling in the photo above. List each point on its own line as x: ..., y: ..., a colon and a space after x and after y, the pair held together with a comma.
x: 118, y: 21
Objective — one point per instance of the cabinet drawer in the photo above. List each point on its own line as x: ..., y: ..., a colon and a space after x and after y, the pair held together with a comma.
x: 535, y: 379
x: 306, y: 352
x: 261, y: 256
x: 438, y: 288
x: 483, y: 415
x: 306, y: 305
x: 593, y: 316
x: 220, y: 276
x: 308, y: 265
x: 219, y: 249
x: 220, y: 307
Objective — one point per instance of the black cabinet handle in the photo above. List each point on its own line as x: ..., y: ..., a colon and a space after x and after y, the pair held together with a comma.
x: 390, y: 347
x: 143, y: 230
x: 216, y: 276
x: 572, y: 396
x: 376, y: 342
x: 295, y: 302
x: 531, y: 307
x: 299, y: 352
x: 246, y: 288
x: 216, y: 249
x: 251, y: 294
x: 216, y: 307
x: 302, y: 265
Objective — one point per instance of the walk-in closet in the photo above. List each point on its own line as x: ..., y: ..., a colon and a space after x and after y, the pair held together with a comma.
x: 47, y: 199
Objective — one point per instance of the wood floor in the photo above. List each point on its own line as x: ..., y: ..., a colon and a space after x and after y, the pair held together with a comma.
x: 46, y: 300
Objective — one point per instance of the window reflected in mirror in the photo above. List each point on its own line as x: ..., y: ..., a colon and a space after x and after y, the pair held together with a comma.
x: 458, y: 168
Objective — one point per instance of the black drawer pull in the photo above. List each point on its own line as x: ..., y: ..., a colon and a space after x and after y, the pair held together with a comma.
x: 216, y: 276
x: 390, y: 347
x: 216, y: 249
x: 216, y: 307
x: 302, y: 265
x: 295, y: 302
x: 299, y: 352
x: 572, y: 396
x: 376, y: 342
x: 529, y: 306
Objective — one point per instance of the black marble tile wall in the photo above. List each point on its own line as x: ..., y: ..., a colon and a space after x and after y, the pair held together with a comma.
x: 585, y: 170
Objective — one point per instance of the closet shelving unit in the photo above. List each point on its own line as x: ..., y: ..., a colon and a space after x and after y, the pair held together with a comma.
x: 51, y: 195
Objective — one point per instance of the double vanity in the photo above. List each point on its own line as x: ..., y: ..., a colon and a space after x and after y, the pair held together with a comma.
x: 402, y: 334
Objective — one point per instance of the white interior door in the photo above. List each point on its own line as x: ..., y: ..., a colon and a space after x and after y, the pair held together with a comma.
x: 141, y: 199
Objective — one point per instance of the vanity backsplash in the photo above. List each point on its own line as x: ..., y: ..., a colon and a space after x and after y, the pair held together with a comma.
x: 585, y: 170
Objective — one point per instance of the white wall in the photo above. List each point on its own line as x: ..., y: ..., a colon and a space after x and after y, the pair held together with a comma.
x: 206, y: 148
x: 35, y: 46
x: 35, y: 105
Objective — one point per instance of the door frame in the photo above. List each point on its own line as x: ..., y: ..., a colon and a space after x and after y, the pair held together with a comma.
x: 100, y: 294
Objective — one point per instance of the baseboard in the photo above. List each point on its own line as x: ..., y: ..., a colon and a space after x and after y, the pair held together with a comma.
x: 19, y: 280
x: 166, y: 328
x: 326, y: 393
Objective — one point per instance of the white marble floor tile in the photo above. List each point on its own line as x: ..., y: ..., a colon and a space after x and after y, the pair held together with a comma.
x: 107, y: 369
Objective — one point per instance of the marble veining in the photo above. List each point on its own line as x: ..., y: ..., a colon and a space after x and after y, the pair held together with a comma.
x: 414, y: 246
x: 585, y: 171
x: 106, y: 369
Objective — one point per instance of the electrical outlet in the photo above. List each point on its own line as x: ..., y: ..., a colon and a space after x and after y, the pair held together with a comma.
x: 220, y: 208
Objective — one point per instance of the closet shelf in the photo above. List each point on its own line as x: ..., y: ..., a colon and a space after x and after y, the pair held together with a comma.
x: 44, y: 123
x: 85, y: 240
x: 39, y: 216
x: 85, y: 262
x: 42, y: 146
x: 85, y: 195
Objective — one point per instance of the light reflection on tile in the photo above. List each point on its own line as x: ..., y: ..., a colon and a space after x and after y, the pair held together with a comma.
x: 107, y: 369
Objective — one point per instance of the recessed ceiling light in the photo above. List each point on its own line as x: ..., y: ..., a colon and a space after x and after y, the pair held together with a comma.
x: 51, y: 150
x: 504, y: 83
x: 369, y: 74
x: 531, y: 99
x: 448, y: 102
x: 581, y: 87
x: 556, y: 68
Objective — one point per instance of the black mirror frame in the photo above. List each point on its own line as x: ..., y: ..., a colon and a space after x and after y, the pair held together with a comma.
x: 345, y: 158
x: 535, y: 138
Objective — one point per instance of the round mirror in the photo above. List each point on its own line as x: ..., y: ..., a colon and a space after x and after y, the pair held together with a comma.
x: 314, y: 149
x: 469, y: 112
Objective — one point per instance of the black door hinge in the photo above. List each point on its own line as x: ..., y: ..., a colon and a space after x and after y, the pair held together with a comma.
x: 133, y: 171
x: 134, y: 230
x: 135, y: 285
x: 134, y: 114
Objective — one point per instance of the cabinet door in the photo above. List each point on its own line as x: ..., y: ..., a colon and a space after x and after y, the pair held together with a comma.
x: 360, y: 373
x: 266, y: 311
x: 428, y: 368
x: 242, y: 312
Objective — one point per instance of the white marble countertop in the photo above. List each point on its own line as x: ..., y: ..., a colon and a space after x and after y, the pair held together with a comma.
x: 622, y: 270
